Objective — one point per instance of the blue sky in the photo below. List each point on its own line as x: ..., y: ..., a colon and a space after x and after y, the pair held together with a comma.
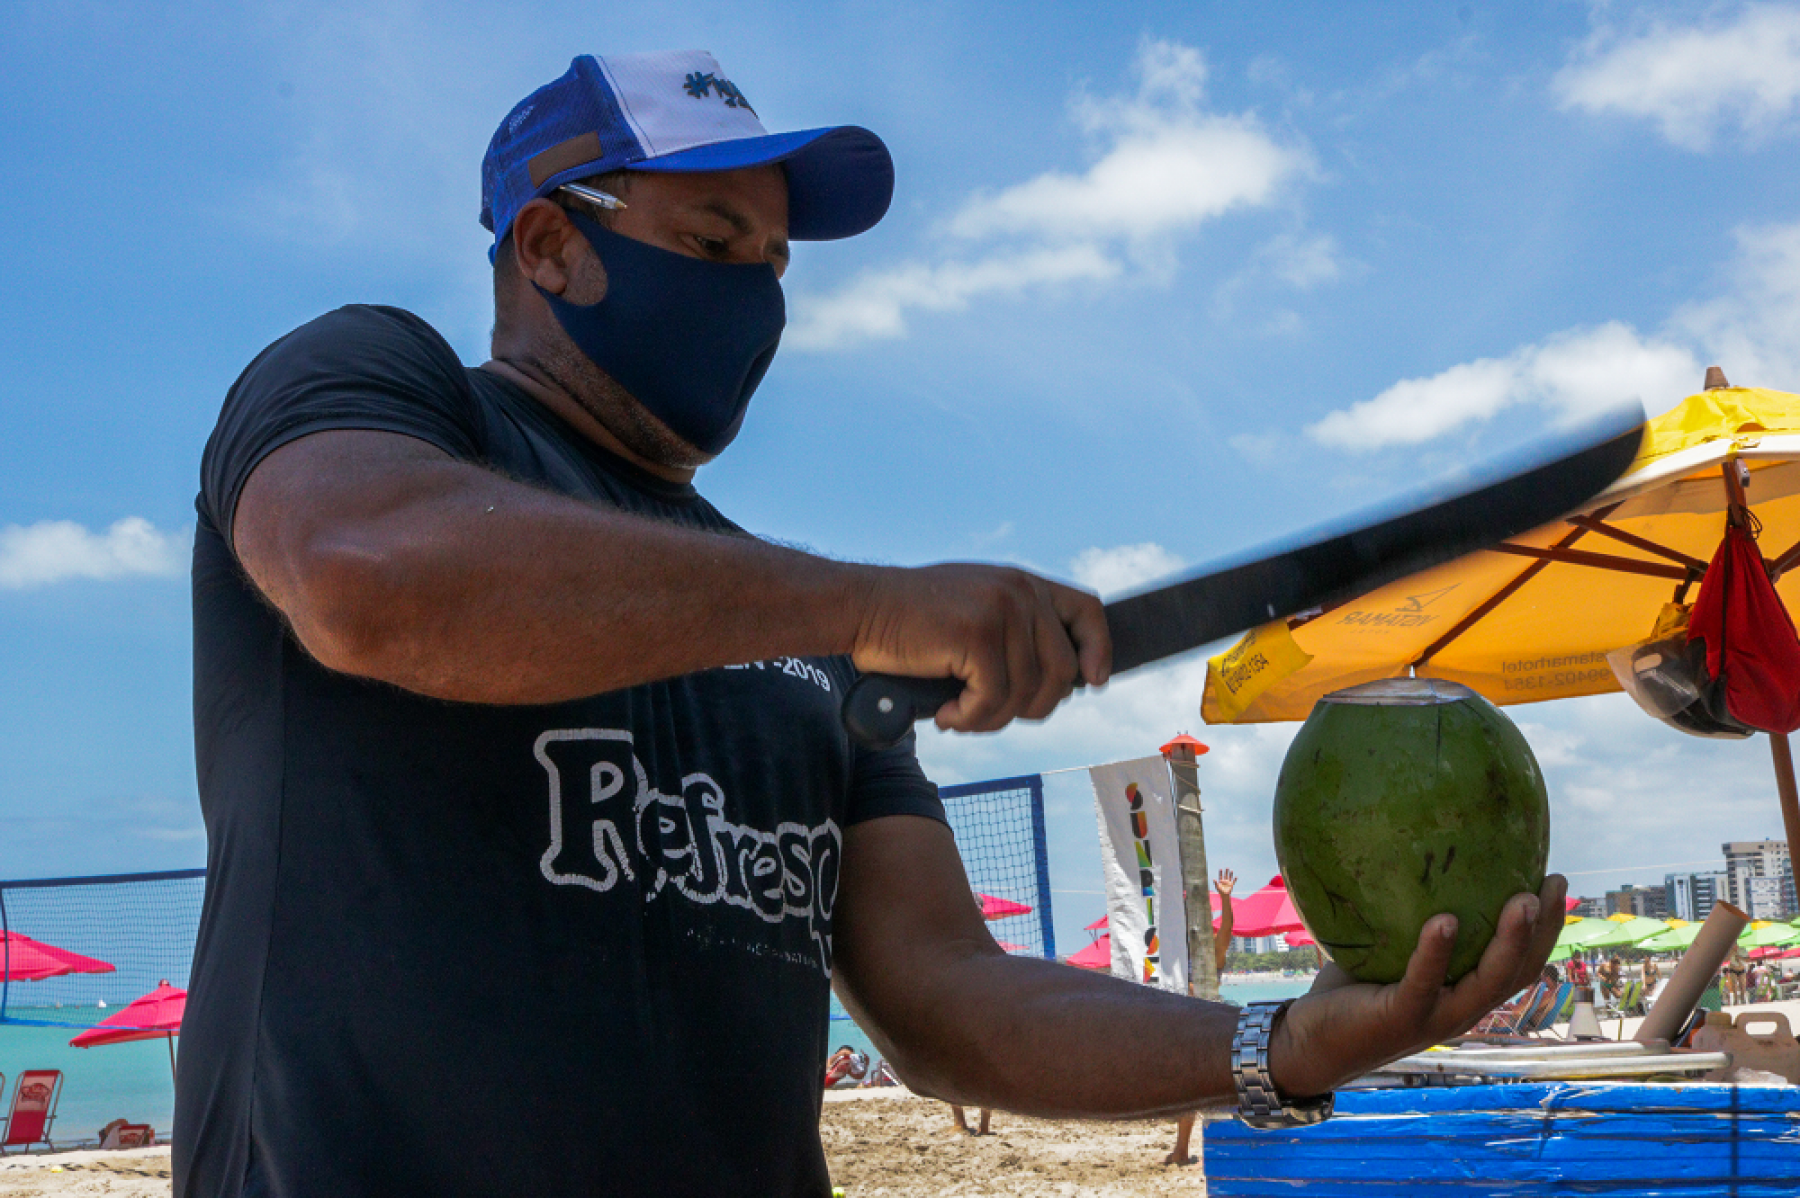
x: 1157, y: 285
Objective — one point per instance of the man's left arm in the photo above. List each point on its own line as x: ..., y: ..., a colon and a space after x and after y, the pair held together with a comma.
x: 965, y: 1022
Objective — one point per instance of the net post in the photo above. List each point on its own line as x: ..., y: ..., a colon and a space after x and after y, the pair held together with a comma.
x: 1182, y: 755
x: 1040, y: 849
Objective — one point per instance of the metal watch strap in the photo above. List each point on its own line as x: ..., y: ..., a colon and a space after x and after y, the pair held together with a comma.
x: 1258, y: 1104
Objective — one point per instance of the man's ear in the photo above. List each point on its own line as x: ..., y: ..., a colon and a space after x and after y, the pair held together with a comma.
x: 544, y: 243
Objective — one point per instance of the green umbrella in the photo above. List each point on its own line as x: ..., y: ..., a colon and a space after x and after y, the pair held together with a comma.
x: 1761, y: 935
x: 1628, y: 932
x: 1577, y: 933
x: 1672, y: 941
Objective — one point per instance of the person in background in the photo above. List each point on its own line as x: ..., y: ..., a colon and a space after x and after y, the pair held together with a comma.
x: 957, y: 1114
x: 1611, y: 978
x: 1578, y: 970
x: 1733, y: 976
x: 1224, y: 884
x: 846, y: 1065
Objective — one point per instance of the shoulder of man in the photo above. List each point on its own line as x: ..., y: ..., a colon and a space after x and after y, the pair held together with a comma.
x: 359, y: 367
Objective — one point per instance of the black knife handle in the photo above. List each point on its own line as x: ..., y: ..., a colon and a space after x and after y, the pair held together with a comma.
x: 880, y: 709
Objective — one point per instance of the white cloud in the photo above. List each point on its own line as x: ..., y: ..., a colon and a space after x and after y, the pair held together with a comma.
x: 1166, y: 167
x: 58, y: 550
x: 1575, y: 373
x: 1754, y: 329
x: 1742, y: 74
x: 875, y: 304
x: 1110, y: 571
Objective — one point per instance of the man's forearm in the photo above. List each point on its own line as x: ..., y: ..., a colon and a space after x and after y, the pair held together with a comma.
x: 1045, y: 1039
x: 460, y: 584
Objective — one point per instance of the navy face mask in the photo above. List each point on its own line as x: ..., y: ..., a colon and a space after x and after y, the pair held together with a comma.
x: 689, y: 339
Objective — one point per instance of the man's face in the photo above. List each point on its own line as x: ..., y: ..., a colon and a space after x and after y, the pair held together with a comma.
x: 735, y: 217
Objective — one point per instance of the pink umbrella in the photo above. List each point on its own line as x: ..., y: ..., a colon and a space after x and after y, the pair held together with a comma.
x: 1097, y: 955
x: 1096, y: 925
x: 1268, y: 912
x: 1012, y: 948
x: 999, y: 908
x: 157, y: 1013
x: 1300, y: 939
x: 23, y: 959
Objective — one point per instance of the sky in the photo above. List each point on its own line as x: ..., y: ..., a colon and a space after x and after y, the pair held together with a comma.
x: 1160, y: 282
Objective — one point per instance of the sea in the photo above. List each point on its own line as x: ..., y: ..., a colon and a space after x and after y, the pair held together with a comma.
x: 133, y: 1081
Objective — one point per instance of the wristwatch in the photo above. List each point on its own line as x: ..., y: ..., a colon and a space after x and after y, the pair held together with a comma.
x: 1259, y: 1105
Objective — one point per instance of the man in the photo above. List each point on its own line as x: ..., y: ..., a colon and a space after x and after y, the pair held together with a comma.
x: 535, y: 842
x: 1225, y: 883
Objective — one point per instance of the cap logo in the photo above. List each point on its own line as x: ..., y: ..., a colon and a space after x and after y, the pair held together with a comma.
x: 699, y: 85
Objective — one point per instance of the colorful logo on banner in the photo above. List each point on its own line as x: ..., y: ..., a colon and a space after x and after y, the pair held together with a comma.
x: 1140, y: 832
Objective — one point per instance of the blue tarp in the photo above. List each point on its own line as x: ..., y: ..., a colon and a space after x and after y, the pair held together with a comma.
x: 1559, y: 1138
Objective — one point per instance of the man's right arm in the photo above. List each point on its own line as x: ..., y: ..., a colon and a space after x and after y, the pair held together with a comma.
x: 392, y: 560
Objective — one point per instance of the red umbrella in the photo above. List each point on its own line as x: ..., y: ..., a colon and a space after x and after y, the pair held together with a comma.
x: 1097, y: 955
x: 1012, y: 948
x: 157, y: 1013
x: 1300, y: 939
x: 23, y: 959
x: 999, y: 908
x: 1267, y: 912
x: 1096, y: 925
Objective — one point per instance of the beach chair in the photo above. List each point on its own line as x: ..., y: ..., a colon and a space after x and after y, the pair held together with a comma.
x: 1630, y: 1002
x: 1555, y: 1011
x: 1513, y: 1023
x: 33, y: 1109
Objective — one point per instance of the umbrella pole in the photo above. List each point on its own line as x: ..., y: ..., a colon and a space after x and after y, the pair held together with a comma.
x: 171, y: 1056
x: 1784, y: 783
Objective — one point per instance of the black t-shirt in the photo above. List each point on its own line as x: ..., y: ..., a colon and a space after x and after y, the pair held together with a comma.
x: 458, y: 949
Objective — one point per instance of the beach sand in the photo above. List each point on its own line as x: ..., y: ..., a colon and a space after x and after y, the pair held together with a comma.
x: 891, y: 1144
x: 881, y: 1144
x: 119, y: 1173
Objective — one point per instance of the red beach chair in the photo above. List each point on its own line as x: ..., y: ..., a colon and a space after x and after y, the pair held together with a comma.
x: 33, y: 1109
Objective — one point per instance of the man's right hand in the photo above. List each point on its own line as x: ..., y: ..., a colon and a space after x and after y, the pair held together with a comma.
x: 1019, y: 643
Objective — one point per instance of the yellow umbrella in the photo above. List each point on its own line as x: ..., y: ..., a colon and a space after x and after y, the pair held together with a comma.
x: 1534, y: 618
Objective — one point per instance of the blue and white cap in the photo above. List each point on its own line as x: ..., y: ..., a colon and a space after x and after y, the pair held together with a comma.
x: 676, y: 111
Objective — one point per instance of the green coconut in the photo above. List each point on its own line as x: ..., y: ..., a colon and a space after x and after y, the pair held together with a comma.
x: 1404, y: 799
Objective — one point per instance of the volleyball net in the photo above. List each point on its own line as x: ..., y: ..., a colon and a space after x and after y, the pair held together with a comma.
x: 73, y: 951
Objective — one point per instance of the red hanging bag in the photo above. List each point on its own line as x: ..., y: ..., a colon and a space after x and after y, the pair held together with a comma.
x: 1751, y: 645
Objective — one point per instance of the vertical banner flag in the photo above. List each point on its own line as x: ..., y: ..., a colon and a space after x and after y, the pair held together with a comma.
x: 1142, y: 863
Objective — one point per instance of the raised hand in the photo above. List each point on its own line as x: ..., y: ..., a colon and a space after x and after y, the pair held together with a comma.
x: 1225, y: 883
x: 1019, y: 642
x: 1342, y: 1028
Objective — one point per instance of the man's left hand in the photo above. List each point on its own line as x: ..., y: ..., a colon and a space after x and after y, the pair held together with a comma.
x: 1342, y: 1028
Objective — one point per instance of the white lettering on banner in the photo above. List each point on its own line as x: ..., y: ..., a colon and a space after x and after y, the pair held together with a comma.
x: 607, y: 823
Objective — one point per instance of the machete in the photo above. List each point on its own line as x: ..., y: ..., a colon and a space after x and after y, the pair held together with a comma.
x: 1330, y: 569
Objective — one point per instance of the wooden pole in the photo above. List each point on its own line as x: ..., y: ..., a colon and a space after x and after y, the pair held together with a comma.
x: 1184, y: 770
x: 1784, y: 784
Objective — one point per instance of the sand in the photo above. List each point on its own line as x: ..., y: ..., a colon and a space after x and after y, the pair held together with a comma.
x: 122, y: 1173
x: 881, y: 1144
x: 890, y: 1144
